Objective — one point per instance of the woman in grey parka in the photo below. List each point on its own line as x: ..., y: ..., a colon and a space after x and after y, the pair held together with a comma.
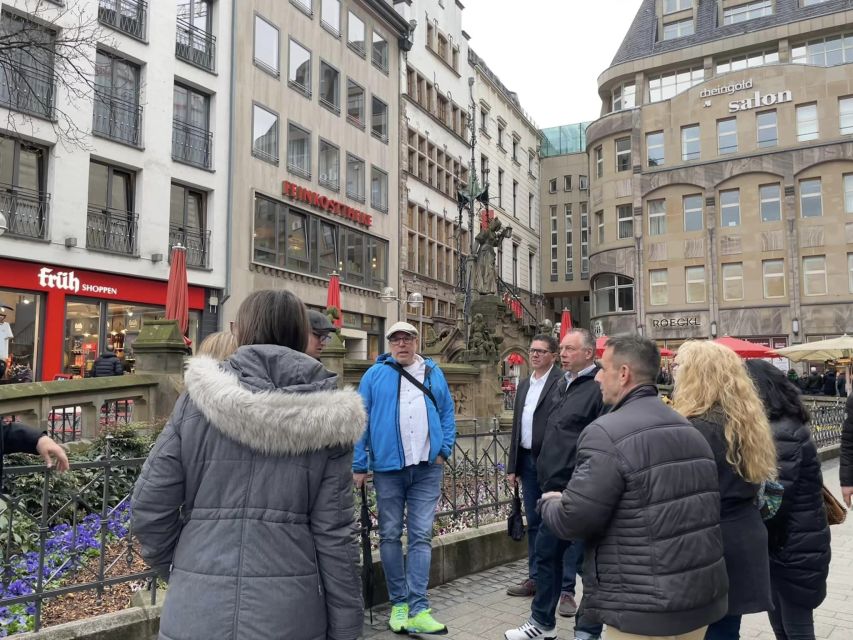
x: 247, y: 494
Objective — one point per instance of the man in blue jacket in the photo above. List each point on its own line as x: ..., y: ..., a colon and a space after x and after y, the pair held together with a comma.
x: 409, y: 435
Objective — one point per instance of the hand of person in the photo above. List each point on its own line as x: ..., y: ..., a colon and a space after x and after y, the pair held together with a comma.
x: 358, y: 479
x: 52, y: 453
x: 512, y: 479
x: 551, y: 494
x: 847, y: 494
x: 439, y: 459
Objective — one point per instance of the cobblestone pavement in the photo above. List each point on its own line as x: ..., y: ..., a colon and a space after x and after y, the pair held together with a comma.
x: 477, y: 607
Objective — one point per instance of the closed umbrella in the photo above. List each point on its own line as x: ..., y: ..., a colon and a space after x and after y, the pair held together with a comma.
x: 745, y: 348
x: 333, y: 299
x: 177, y: 292
x: 565, y: 323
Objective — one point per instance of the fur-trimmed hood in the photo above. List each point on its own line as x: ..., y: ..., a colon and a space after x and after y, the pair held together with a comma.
x: 275, y: 400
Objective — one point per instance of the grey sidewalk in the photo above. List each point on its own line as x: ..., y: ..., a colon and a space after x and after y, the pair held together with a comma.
x: 477, y: 607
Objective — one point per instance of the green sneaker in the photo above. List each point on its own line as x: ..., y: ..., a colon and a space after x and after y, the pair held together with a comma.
x: 425, y: 623
x: 399, y: 618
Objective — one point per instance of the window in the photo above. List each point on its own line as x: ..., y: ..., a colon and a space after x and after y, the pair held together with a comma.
x: 612, y: 294
x: 693, y: 216
x: 329, y: 165
x: 659, y: 287
x: 355, y: 33
x: 825, y: 52
x: 733, y: 281
x: 191, y: 137
x: 22, y: 173
x: 730, y: 208
x: 583, y: 183
x: 749, y: 11
x: 623, y: 154
x: 584, y: 241
x: 264, y: 134
x: 380, y: 52
x: 500, y: 135
x: 623, y: 97
x: 569, y: 238
x: 808, y: 3
x: 355, y: 178
x: 514, y: 198
x: 774, y: 278
x: 298, y: 151
x: 845, y: 116
x: 266, y: 45
x: 330, y: 16
x: 111, y: 224
x: 305, y: 5
x: 188, y: 224
x: 514, y: 150
x: 848, y: 193
x: 599, y: 224
x: 850, y: 272
x: 768, y: 135
x: 807, y: 125
x: 747, y: 61
x: 770, y: 202
x: 567, y: 183
x: 690, y: 145
x: 625, y: 221
x: 26, y: 70
x: 484, y: 121
x: 599, y: 162
x: 679, y: 29
x: 355, y: 104
x: 379, y: 189
x: 379, y: 119
x: 330, y: 87
x: 654, y: 149
x: 672, y: 6
x: 514, y: 265
x: 552, y: 185
x: 694, y: 281
x: 811, y: 205
x: 500, y: 187
x: 117, y: 113
x: 814, y: 276
x: 727, y: 136
x: 299, y: 70
x: 657, y: 217
x: 667, y: 85
x: 195, y: 42
x: 530, y: 210
x: 555, y: 239
x: 531, y: 162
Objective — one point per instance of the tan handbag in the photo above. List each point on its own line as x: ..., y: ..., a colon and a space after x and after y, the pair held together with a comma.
x: 835, y: 511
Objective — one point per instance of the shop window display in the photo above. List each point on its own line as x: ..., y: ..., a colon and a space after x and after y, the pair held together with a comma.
x: 19, y: 330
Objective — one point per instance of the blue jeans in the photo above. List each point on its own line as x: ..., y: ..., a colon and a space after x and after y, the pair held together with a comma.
x: 549, y: 561
x: 416, y: 489
x: 530, y: 493
x: 727, y: 628
x: 791, y: 621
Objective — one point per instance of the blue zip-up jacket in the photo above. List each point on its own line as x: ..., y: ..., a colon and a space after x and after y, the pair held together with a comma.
x: 381, y: 447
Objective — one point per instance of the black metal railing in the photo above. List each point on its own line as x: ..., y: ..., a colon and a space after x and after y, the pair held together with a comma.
x: 78, y: 537
x: 196, y: 46
x: 112, y: 230
x: 192, y: 145
x: 27, y: 89
x: 128, y: 16
x: 827, y: 420
x: 196, y: 241
x: 26, y: 211
x: 117, y: 119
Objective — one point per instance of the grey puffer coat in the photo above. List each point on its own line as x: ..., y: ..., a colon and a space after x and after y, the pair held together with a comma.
x: 248, y: 496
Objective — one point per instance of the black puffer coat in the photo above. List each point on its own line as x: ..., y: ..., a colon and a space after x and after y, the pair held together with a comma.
x: 107, y: 364
x: 744, y: 534
x: 846, y: 471
x: 799, y: 534
x: 644, y: 497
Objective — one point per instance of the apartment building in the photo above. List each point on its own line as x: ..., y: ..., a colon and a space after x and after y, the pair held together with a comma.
x: 98, y: 181
x: 315, y: 157
x: 727, y: 133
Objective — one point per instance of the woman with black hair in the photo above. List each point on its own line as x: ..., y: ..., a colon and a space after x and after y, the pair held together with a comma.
x: 798, y: 534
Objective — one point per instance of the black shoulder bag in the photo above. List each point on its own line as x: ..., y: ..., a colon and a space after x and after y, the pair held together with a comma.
x: 408, y: 376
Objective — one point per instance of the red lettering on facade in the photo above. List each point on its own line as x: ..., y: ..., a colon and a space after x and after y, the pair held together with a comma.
x: 327, y: 204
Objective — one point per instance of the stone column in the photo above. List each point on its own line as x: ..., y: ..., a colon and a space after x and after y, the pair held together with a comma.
x: 160, y: 350
x: 333, y: 356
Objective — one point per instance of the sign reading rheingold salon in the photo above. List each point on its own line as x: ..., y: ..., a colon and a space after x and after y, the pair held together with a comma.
x: 328, y: 205
x: 755, y: 101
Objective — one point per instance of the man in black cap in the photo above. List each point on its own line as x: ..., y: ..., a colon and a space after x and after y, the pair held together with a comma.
x: 321, y: 333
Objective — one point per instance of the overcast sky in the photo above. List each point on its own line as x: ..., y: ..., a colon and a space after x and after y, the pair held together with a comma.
x: 550, y: 52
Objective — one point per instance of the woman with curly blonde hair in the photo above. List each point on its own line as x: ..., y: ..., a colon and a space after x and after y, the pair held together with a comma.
x: 714, y: 391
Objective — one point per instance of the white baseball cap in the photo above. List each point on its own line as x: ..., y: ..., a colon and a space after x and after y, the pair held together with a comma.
x: 401, y: 327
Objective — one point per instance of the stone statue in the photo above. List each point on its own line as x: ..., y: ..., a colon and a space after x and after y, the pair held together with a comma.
x: 481, y: 340
x: 485, y: 273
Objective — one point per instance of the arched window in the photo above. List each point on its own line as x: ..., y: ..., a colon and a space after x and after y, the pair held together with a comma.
x: 612, y: 294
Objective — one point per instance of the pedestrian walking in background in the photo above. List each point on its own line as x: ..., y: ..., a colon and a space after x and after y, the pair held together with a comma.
x: 218, y: 345
x: 714, y: 392
x: 247, y: 494
x: 533, y: 404
x: 321, y: 333
x: 410, y: 434
x: 107, y: 364
x: 845, y: 473
x: 644, y: 497
x: 829, y: 379
x: 841, y: 384
x: 799, y: 533
x: 577, y: 404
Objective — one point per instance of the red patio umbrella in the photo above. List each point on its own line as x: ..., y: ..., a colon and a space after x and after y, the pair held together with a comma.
x: 565, y: 323
x: 333, y: 300
x: 177, y: 292
x: 746, y: 349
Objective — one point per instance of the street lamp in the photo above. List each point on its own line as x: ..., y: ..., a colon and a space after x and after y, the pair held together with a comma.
x: 414, y: 300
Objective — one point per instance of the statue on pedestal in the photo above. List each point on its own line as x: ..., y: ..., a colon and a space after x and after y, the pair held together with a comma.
x: 484, y: 278
x: 481, y: 339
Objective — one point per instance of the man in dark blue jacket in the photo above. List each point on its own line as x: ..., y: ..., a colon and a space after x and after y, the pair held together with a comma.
x: 410, y: 433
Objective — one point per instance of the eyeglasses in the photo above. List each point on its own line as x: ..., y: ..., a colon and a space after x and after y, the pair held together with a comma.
x: 404, y: 339
x: 323, y: 337
x: 538, y: 352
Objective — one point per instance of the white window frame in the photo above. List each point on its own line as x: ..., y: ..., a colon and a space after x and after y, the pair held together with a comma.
x: 765, y: 197
x: 657, y: 217
x: 292, y: 165
x: 584, y: 239
x: 850, y: 272
x: 750, y: 11
x: 747, y: 61
x: 669, y: 84
x: 599, y: 161
x: 567, y: 183
x: 552, y: 185
x: 732, y: 272
x: 599, y: 224
x: 691, y: 212
x: 848, y: 192
x: 678, y: 29
x: 652, y: 162
x: 759, y: 127
x: 687, y: 138
x: 379, y: 178
x: 723, y: 149
x: 567, y: 212
x: 674, y: 6
x: 731, y: 206
x: 691, y: 277
x: 768, y: 275
x: 623, y: 97
x: 658, y: 287
x: 622, y: 153
x: 624, y: 223
x: 805, y: 197
x: 555, y: 239
x: 845, y: 115
x: 809, y: 269
x: 808, y: 127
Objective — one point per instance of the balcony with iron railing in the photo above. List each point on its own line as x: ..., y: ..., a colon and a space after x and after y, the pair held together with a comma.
x: 196, y: 46
x: 128, y: 16
x: 26, y: 212
x: 27, y: 89
x: 112, y: 230
x: 117, y: 119
x: 192, y: 145
x: 196, y: 241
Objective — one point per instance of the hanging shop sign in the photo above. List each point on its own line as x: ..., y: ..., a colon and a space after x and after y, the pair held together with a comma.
x: 318, y: 201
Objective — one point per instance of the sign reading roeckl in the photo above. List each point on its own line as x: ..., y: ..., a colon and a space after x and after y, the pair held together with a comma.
x: 334, y: 207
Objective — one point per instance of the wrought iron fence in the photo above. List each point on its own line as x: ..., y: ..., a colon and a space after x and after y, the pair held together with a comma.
x: 196, y: 46
x: 196, y: 242
x: 827, y: 420
x: 67, y: 534
x: 27, y: 89
x: 192, y: 144
x: 128, y: 16
x: 26, y: 211
x: 117, y: 119
x: 112, y: 230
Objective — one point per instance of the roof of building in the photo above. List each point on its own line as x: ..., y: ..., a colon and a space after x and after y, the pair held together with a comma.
x: 562, y: 140
x: 511, y: 96
x: 641, y: 40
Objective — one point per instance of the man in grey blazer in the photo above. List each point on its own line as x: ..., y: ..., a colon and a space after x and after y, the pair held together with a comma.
x: 533, y: 402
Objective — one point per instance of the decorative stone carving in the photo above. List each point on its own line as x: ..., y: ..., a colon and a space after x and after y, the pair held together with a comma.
x: 811, y: 236
x: 772, y: 240
x: 481, y: 342
x: 461, y: 396
x: 485, y: 274
x: 730, y: 245
x: 657, y: 251
x: 694, y: 248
